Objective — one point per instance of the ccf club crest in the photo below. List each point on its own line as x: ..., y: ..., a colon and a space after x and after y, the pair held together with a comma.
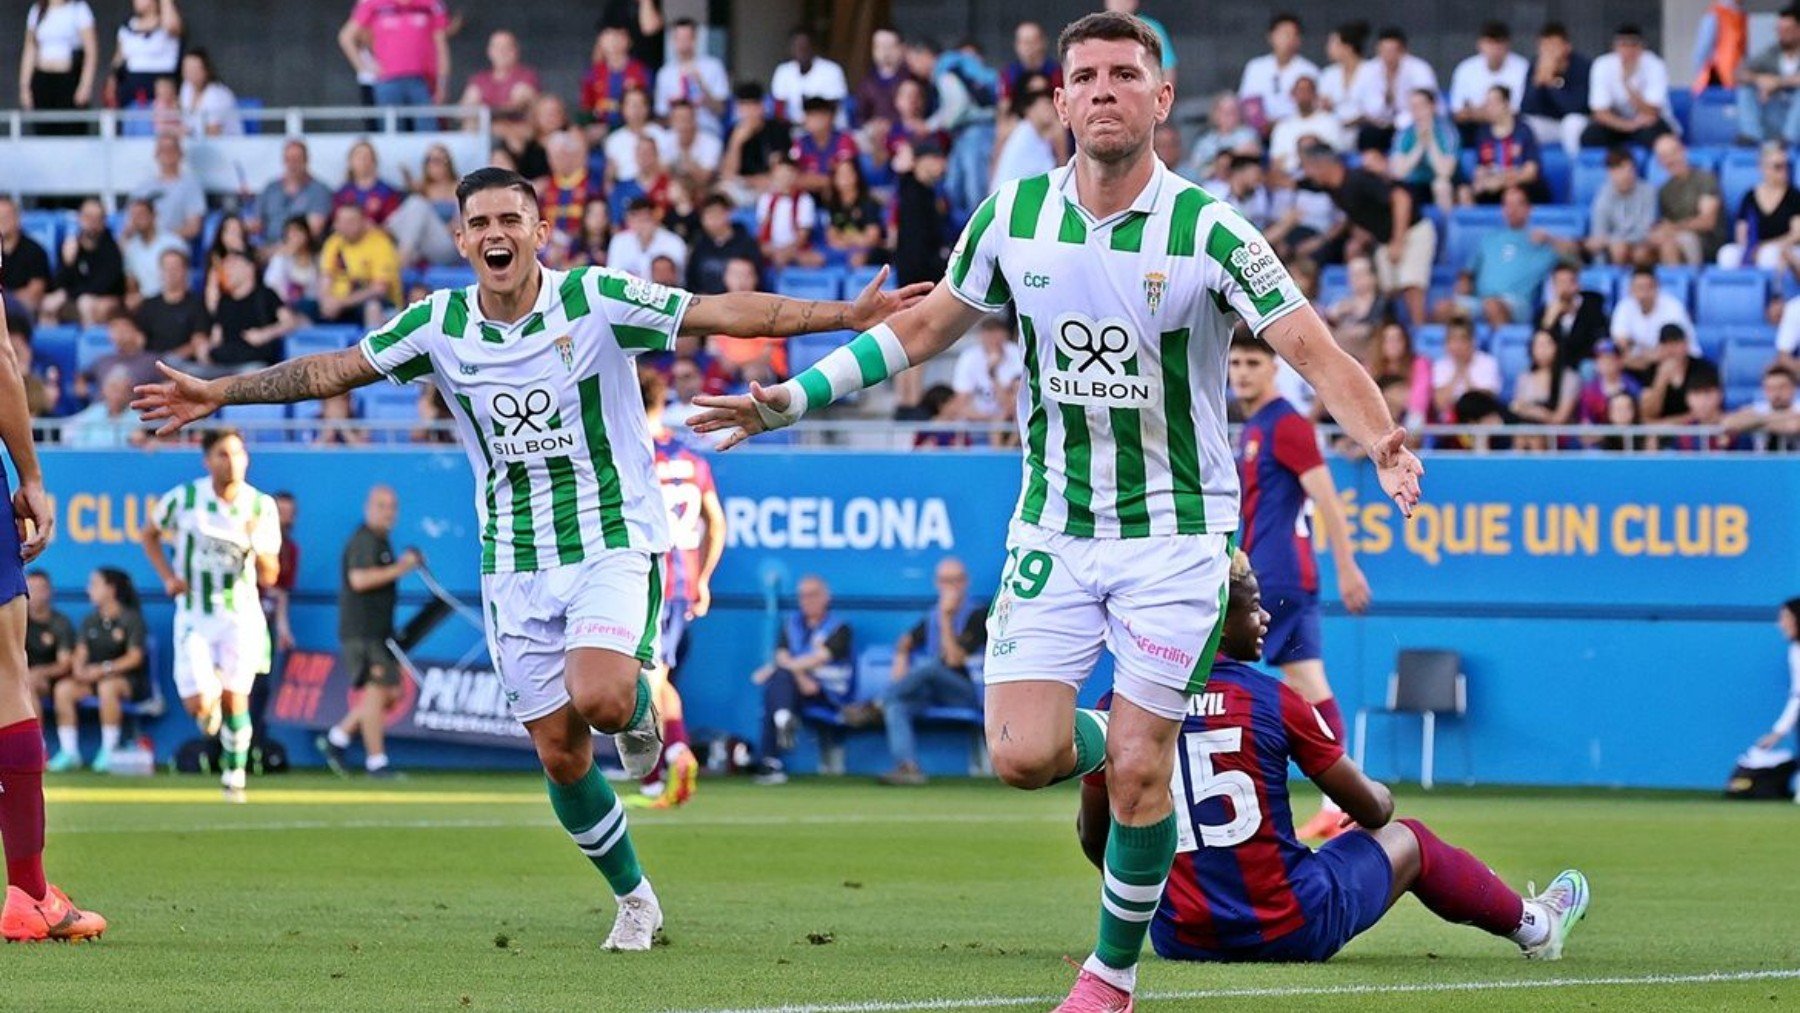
x: 1155, y: 283
x: 565, y: 349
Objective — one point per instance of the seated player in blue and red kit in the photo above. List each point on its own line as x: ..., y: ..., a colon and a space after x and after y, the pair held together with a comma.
x: 1244, y: 889
x: 1280, y: 469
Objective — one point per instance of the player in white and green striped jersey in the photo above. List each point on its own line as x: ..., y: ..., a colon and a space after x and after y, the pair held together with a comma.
x: 1127, y: 282
x: 539, y: 369
x: 226, y: 536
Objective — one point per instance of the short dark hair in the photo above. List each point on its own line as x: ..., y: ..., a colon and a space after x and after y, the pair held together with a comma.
x: 1791, y: 12
x: 1703, y: 380
x: 640, y: 204
x: 1280, y: 18
x: 1239, y: 161
x: 1394, y: 33
x: 285, y: 494
x: 491, y: 178
x: 1496, y: 31
x: 1554, y: 30
x: 686, y: 23
x: 1563, y: 265
x: 717, y: 200
x: 1242, y: 338
x: 1629, y: 30
x: 217, y: 435
x: 1670, y: 334
x: 818, y: 104
x: 1792, y: 608
x: 1505, y: 92
x: 653, y: 388
x: 748, y: 91
x: 1313, y: 149
x: 1644, y: 271
x: 1354, y: 34
x: 1777, y: 369
x: 1617, y: 156
x: 1110, y: 26
x: 799, y: 30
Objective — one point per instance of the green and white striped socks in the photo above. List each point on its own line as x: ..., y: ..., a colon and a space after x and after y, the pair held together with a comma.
x: 867, y: 360
x: 1090, y: 743
x: 234, y: 741
x: 592, y: 814
x: 1137, y: 866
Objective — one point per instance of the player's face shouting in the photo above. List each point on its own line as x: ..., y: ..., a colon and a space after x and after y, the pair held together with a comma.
x: 501, y: 232
x: 1112, y: 98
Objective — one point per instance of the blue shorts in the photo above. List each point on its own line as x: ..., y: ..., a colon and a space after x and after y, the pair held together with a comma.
x: 1293, y: 626
x: 1343, y: 891
x: 12, y: 558
x: 674, y: 627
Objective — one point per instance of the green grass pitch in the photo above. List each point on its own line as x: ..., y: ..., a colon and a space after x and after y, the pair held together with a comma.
x: 452, y: 892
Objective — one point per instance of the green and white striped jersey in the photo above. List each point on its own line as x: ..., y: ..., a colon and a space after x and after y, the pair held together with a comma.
x: 548, y: 409
x: 216, y: 544
x: 1125, y: 325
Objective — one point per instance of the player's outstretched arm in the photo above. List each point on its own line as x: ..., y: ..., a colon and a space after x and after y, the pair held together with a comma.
x: 1352, y: 398
x: 1366, y: 801
x: 908, y: 338
x: 761, y: 315
x: 183, y: 399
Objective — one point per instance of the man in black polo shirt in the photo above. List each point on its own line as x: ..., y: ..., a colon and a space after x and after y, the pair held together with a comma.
x: 249, y: 321
x: 365, y: 625
x: 25, y: 267
x: 1381, y: 222
x: 174, y: 321
x: 49, y: 637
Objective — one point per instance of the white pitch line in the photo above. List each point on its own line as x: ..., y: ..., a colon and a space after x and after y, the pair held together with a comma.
x: 1000, y: 1002
x: 637, y: 819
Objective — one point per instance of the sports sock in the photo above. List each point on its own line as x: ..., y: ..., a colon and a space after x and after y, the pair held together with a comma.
x: 1334, y: 718
x: 591, y: 813
x: 22, y: 806
x: 109, y: 738
x: 234, y: 739
x: 1090, y: 744
x: 376, y: 761
x: 638, y: 709
x: 1137, y: 866
x: 1457, y: 887
x: 68, y: 739
x: 338, y: 737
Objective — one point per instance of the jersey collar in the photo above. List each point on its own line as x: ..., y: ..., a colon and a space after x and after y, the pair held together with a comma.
x: 1144, y: 203
x: 547, y: 289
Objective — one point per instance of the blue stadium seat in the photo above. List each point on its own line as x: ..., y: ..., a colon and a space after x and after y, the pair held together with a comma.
x: 252, y: 126
x: 1732, y: 297
x: 1585, y: 181
x: 256, y: 419
x: 448, y: 276
x: 90, y: 346
x: 1558, y: 173
x: 1736, y: 179
x: 386, y: 401
x: 1467, y: 226
x: 858, y: 277
x: 209, y: 231
x: 59, y: 347
x: 1713, y: 119
x: 805, y: 350
x: 150, y: 707
x: 313, y: 341
x: 745, y: 217
x: 115, y: 223
x: 1681, y: 104
x: 46, y: 228
x: 1508, y: 334
x: 1712, y: 341
x: 874, y: 670
x: 1428, y: 340
x: 1562, y: 221
x: 1604, y: 279
x: 810, y: 283
x: 1748, y: 351
x: 1512, y: 348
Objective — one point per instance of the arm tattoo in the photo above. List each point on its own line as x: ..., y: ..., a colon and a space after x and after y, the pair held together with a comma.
x: 806, y: 315
x: 774, y: 311
x: 303, y: 379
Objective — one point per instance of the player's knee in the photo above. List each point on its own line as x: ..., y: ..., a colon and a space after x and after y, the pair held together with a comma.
x: 1137, y: 780
x: 562, y: 764
x: 1024, y: 766
x: 604, y: 704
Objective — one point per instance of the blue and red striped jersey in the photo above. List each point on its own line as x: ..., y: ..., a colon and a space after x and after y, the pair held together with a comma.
x: 1233, y: 882
x: 1277, y: 446
x: 686, y: 478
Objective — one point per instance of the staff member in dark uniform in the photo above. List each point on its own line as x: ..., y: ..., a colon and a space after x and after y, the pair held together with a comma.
x: 49, y: 636
x: 365, y: 625
x: 109, y: 664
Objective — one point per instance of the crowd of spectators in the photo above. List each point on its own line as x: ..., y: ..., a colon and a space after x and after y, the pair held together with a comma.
x: 664, y: 167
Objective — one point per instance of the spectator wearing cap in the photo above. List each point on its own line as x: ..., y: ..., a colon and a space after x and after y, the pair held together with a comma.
x: 785, y: 218
x: 409, y: 41
x: 887, y: 68
x: 755, y: 142
x: 1380, y: 220
x: 719, y: 241
x: 360, y: 270
x: 1673, y: 375
x: 1462, y: 368
x: 174, y: 189
x: 621, y: 144
x: 694, y: 78
x: 142, y: 245
x: 612, y: 75
x: 1555, y: 101
x: 820, y: 146
x: 1610, y: 379
x: 1493, y: 65
x: 642, y: 240
x: 1309, y: 119
x: 1623, y: 212
x: 806, y: 75
x: 1037, y: 142
x: 295, y: 193
x: 1266, y: 86
x: 506, y: 87
x: 1645, y: 314
x: 1381, y: 89
x: 1628, y: 94
x: 1767, y: 91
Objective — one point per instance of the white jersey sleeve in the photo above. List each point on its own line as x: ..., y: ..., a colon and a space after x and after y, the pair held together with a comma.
x: 401, y: 350
x: 645, y: 316
x: 975, y: 275
x: 1247, y: 273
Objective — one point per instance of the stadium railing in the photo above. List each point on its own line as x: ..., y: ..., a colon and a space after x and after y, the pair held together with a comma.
x: 118, y: 153
x: 390, y: 433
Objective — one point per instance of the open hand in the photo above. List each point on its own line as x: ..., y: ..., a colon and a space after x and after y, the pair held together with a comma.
x: 873, y: 305
x: 1399, y: 470
x: 1353, y: 588
x: 739, y: 413
x: 34, y: 519
x: 179, y: 401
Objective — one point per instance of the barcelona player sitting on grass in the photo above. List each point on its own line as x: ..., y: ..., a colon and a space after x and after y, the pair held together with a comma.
x: 1244, y: 889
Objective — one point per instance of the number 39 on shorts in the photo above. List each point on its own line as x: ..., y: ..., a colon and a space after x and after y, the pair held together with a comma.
x: 1026, y: 573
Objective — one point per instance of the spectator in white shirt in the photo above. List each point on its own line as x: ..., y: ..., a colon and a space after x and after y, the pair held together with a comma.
x: 697, y: 151
x: 1345, y: 48
x: 1638, y: 320
x: 1034, y: 145
x: 142, y: 245
x: 1309, y: 119
x: 987, y: 373
x: 1382, y: 87
x: 693, y: 77
x: 180, y: 200
x: 807, y: 75
x: 643, y: 240
x: 785, y: 217
x: 1226, y: 133
x: 1268, y: 81
x: 1628, y: 94
x: 621, y: 144
x: 1494, y: 64
x: 148, y: 47
x: 208, y: 107
x: 1463, y: 367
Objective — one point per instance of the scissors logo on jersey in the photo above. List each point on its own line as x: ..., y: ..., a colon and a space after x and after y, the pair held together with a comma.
x: 1097, y: 364
x: 534, y: 429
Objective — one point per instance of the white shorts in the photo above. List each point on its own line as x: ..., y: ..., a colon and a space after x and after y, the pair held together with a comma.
x: 1156, y: 603
x: 224, y: 651
x: 612, y: 601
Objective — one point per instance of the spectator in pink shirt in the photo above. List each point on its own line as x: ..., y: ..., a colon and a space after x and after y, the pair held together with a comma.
x: 506, y: 87
x: 410, y: 42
